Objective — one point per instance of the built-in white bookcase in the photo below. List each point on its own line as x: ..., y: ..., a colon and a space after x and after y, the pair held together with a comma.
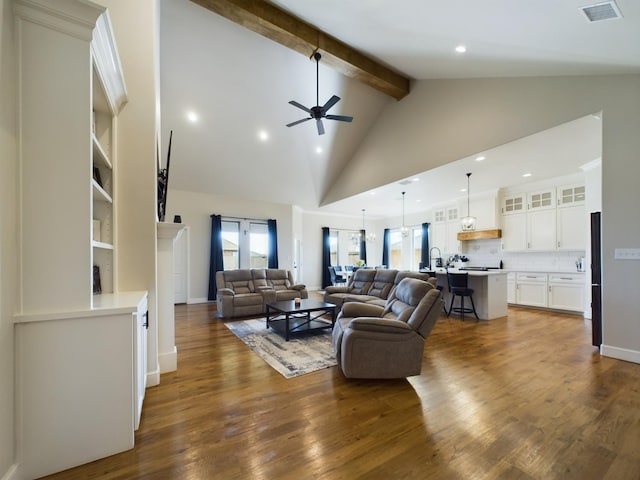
x: 80, y: 358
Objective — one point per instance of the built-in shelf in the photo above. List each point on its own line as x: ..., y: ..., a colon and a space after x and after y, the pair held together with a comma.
x: 100, y: 157
x: 105, y: 246
x: 480, y: 234
x: 100, y: 193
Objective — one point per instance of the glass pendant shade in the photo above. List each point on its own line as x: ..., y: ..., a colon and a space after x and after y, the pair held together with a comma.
x: 370, y: 237
x: 468, y: 222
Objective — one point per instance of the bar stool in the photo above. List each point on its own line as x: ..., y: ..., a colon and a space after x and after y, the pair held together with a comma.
x: 458, y: 286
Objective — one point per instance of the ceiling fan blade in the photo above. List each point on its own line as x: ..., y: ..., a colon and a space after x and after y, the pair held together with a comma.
x: 320, y: 127
x: 342, y: 118
x: 297, y: 122
x: 331, y: 102
x: 300, y: 106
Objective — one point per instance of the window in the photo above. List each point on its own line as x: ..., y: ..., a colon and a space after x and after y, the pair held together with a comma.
x: 258, y: 245
x: 353, y: 254
x: 395, y: 249
x: 230, y: 245
x: 245, y: 244
x: 333, y: 247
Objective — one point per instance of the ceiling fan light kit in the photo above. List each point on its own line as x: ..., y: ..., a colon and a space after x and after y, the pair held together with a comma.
x: 319, y: 112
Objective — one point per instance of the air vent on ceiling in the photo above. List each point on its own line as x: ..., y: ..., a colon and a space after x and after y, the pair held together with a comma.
x: 405, y: 182
x: 602, y: 11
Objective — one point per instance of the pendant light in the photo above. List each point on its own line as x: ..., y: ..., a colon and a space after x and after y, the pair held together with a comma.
x: 371, y: 237
x: 468, y: 222
x: 404, y: 230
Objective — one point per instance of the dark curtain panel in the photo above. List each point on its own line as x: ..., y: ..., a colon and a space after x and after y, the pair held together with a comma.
x: 424, y: 250
x: 385, y: 247
x: 216, y: 262
x: 272, y: 256
x: 326, y: 258
x: 363, y: 246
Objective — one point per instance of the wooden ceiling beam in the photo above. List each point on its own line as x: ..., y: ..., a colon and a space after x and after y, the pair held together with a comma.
x: 274, y: 23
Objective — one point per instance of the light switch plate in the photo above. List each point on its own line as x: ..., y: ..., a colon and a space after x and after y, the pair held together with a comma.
x: 627, y: 254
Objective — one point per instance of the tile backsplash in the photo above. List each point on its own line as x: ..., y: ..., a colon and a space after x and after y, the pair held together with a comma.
x: 488, y: 253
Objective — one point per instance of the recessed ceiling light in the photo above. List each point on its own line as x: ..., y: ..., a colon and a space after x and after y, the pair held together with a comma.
x: 192, y: 116
x: 480, y: 158
x: 463, y: 189
x: 526, y: 174
x: 263, y: 135
x: 461, y: 49
x: 416, y: 179
x: 318, y: 149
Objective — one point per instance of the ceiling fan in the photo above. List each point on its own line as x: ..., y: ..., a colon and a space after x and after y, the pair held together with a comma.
x: 319, y: 112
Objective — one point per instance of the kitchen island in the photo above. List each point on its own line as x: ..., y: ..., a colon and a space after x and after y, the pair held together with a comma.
x: 489, y: 291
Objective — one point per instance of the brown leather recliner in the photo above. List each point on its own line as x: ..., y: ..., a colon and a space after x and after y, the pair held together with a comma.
x: 371, y: 341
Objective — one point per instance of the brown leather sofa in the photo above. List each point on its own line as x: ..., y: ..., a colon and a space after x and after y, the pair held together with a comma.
x: 371, y: 341
x: 369, y: 286
x: 247, y: 291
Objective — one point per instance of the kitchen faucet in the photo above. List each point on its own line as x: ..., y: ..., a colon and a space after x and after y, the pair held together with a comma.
x: 438, y: 257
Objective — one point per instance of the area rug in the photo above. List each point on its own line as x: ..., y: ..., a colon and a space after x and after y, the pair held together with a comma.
x: 298, y: 356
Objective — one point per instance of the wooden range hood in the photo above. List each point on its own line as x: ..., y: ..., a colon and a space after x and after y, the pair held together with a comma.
x: 480, y: 234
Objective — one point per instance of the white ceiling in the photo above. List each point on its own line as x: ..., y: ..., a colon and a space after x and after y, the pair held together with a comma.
x: 239, y: 84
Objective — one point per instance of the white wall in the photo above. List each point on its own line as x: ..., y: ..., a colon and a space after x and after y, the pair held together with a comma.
x: 8, y: 228
x: 196, y: 210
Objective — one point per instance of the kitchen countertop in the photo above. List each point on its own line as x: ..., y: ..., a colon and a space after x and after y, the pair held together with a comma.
x: 472, y: 273
x: 543, y: 270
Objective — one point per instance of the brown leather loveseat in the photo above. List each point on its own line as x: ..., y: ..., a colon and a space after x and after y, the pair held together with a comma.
x: 369, y: 285
x: 247, y: 291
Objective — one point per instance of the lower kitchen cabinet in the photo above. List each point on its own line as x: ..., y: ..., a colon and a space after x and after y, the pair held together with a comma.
x: 531, y: 289
x: 566, y: 292
x: 511, y: 287
x: 558, y: 291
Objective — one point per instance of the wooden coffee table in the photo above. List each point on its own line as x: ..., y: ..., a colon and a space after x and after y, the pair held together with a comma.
x: 289, y: 318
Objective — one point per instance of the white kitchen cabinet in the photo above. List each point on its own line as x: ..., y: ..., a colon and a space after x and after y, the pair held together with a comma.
x: 531, y: 289
x: 514, y: 232
x: 544, y: 224
x: 541, y: 229
x: 566, y: 292
x: 571, y: 228
x: 511, y: 287
x: 445, y: 228
x: 514, y: 204
x: 571, y: 195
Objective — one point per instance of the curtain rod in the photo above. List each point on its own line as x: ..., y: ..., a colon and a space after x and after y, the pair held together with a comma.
x: 345, y: 229
x: 229, y: 217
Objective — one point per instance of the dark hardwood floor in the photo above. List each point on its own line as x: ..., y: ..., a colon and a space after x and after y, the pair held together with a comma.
x: 522, y: 397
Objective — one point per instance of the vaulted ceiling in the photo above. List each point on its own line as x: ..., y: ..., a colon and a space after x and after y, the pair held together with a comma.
x: 238, y: 83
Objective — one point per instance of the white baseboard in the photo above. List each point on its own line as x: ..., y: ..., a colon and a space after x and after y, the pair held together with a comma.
x: 621, y: 353
x: 168, y: 361
x: 12, y: 473
x: 199, y: 300
x: 153, y: 378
